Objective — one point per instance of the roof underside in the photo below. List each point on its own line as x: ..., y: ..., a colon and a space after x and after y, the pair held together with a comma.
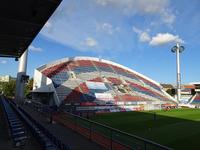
x: 20, y: 22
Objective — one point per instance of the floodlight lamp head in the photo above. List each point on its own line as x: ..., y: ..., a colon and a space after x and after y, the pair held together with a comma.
x: 177, y: 48
x: 181, y: 49
x: 174, y: 49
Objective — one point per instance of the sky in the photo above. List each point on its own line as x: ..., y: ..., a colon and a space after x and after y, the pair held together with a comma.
x: 138, y: 34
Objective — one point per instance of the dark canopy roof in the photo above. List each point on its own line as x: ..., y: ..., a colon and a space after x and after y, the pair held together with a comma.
x: 20, y: 22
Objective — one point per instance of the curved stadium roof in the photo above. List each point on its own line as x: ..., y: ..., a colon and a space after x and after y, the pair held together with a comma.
x: 74, y: 80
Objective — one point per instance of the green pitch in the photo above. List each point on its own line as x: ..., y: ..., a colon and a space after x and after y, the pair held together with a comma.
x: 178, y: 128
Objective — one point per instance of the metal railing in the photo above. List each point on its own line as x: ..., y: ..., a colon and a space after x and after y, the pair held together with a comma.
x: 106, y: 136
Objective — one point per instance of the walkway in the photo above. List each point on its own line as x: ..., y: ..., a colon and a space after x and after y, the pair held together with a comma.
x: 67, y: 136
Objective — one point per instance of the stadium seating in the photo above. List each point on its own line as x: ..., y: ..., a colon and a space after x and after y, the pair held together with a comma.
x: 84, y: 88
x: 85, y: 63
x: 150, y: 84
x: 84, y: 69
x: 66, y: 88
x: 128, y: 97
x: 142, y: 90
x: 75, y: 96
x: 121, y: 83
x: 47, y: 140
x: 125, y: 73
x: 114, y: 80
x: 98, y: 79
x: 196, y: 99
x: 51, y: 71
x: 60, y: 78
x: 17, y: 129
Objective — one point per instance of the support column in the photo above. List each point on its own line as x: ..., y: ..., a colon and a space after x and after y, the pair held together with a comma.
x: 20, y: 83
x: 178, y: 73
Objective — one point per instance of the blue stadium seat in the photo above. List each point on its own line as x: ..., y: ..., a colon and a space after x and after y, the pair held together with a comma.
x: 47, y: 140
x: 17, y: 129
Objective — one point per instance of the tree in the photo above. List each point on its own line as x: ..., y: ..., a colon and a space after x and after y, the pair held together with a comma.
x: 28, y: 87
x: 171, y: 92
x: 8, y: 88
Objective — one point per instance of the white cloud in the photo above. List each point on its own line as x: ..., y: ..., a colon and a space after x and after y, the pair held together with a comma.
x: 48, y: 25
x: 86, y: 26
x: 102, y: 2
x: 164, y: 38
x: 143, y: 36
x: 158, y: 39
x: 35, y: 49
x: 90, y: 42
x: 107, y: 27
x: 168, y: 17
x: 136, y: 30
x: 3, y: 62
x: 147, y: 7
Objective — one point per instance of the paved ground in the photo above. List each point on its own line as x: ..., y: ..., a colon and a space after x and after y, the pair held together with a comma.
x: 67, y: 136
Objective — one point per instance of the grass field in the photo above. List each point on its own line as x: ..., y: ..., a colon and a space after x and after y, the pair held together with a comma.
x: 178, y: 128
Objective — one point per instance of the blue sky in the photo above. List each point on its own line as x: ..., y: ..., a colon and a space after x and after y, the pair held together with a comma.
x: 136, y: 33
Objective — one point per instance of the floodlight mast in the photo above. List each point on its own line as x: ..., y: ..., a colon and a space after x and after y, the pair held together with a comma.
x: 178, y: 49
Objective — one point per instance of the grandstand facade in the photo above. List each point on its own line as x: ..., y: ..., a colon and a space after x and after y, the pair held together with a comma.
x: 195, y: 100
x: 89, y: 83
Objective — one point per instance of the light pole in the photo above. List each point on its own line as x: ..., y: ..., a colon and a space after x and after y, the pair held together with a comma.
x: 178, y: 49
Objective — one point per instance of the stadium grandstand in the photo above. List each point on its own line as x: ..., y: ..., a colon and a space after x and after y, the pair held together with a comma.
x: 93, y: 84
x: 195, y: 100
x: 70, y: 106
x: 187, y: 92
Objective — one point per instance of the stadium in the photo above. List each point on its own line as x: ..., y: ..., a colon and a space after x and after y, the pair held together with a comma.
x: 93, y: 84
x: 82, y: 102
